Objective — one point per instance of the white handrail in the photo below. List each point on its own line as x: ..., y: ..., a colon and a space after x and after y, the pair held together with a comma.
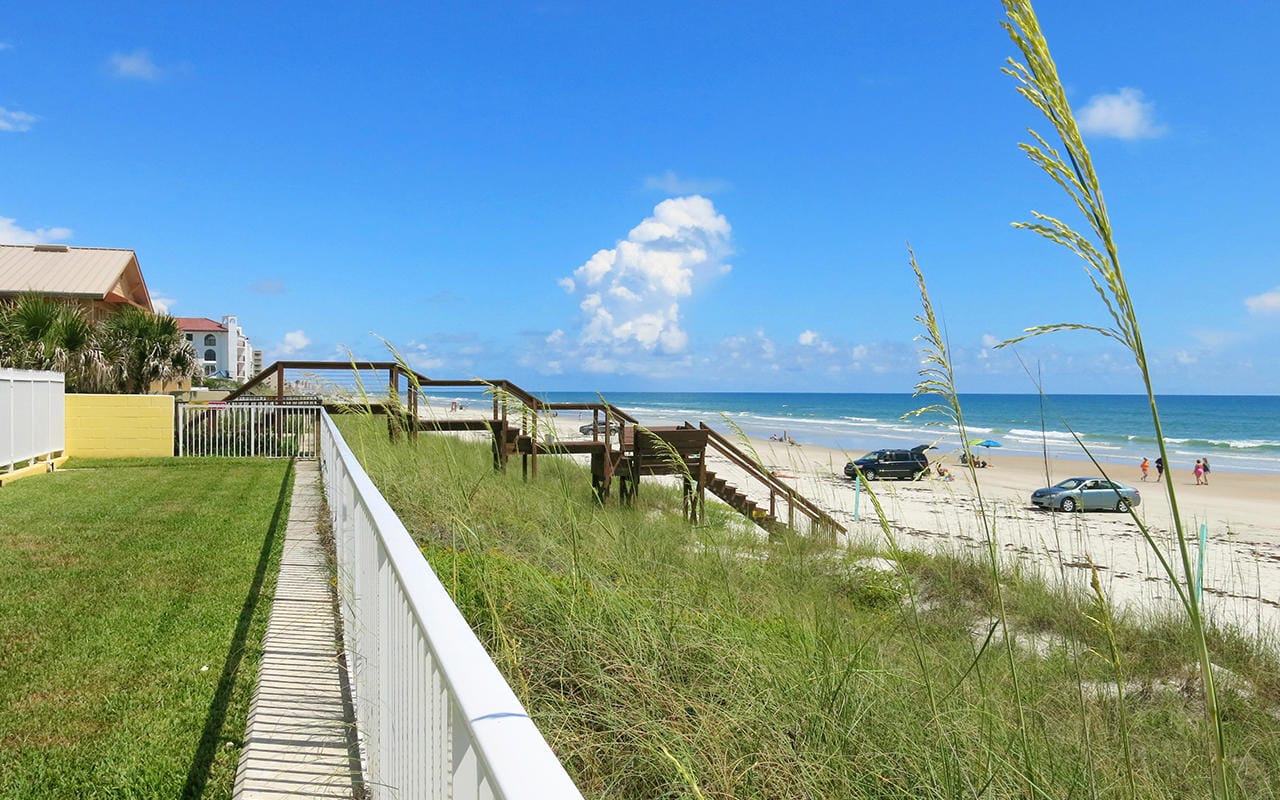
x: 32, y: 416
x: 435, y: 716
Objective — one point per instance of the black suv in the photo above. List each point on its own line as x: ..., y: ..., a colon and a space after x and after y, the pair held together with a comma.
x: 598, y: 427
x: 890, y: 464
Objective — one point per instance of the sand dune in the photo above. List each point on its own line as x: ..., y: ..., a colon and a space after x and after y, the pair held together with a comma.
x: 1241, y: 512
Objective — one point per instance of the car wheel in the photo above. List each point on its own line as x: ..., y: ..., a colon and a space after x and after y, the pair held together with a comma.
x: 1122, y: 506
x: 869, y: 474
x: 1068, y: 504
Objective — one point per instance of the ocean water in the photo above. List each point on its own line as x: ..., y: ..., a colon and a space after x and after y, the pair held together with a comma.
x: 1233, y: 432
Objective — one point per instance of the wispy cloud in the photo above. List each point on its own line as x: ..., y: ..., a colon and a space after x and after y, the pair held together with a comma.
x: 671, y: 183
x: 5, y: 46
x: 268, y: 286
x: 1125, y: 114
x: 137, y: 65
x: 631, y: 293
x: 163, y: 304
x: 10, y: 233
x: 1265, y: 303
x: 16, y: 121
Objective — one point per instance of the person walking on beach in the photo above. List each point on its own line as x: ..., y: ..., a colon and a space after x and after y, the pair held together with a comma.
x: 1146, y: 465
x: 1204, y: 462
x: 1159, y: 468
x: 1199, y: 472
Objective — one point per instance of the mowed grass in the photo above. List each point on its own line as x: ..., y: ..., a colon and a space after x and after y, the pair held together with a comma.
x: 133, y: 598
x: 664, y: 660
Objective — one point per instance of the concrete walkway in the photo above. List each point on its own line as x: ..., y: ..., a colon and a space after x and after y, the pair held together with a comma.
x: 300, y: 737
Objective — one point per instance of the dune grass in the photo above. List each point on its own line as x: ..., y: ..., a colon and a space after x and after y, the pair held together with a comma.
x: 133, y: 598
x: 668, y: 660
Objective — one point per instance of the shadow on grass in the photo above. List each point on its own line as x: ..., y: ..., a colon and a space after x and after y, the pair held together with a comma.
x: 198, y: 774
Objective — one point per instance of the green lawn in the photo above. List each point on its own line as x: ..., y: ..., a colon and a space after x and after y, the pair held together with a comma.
x: 133, y: 598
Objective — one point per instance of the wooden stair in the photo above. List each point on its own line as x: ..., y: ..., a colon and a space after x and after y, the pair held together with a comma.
x: 621, y: 449
x: 738, y: 501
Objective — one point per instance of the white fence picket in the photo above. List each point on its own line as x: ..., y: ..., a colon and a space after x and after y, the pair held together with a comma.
x: 435, y: 716
x: 243, y: 430
x: 32, y: 424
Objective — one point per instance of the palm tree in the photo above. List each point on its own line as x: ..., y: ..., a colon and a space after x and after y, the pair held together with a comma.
x: 42, y: 333
x: 143, y: 348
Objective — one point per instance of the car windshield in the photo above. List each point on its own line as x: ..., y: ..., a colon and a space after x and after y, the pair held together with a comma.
x: 874, y: 455
x: 1070, y: 483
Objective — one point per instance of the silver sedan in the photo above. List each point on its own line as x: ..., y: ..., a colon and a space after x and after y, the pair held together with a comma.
x: 1086, y: 494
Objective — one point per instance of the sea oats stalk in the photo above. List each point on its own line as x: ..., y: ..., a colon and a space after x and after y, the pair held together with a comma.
x: 938, y: 378
x: 1116, y: 663
x: 1073, y: 171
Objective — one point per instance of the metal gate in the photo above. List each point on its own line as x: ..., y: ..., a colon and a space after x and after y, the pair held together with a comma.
x: 248, y: 430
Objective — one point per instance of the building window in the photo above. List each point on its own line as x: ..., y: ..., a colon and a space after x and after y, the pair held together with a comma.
x: 190, y: 337
x: 209, y: 355
x: 209, y: 340
x: 209, y: 369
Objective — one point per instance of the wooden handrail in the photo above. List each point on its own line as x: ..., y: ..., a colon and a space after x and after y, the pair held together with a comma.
x: 611, y: 413
x: 728, y: 449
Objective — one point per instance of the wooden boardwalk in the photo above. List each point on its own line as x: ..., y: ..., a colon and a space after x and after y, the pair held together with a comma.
x: 300, y: 740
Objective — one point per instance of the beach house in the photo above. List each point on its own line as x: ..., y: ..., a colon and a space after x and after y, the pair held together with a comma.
x: 101, y: 279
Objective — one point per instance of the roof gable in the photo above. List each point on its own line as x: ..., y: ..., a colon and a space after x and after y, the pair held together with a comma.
x: 94, y: 273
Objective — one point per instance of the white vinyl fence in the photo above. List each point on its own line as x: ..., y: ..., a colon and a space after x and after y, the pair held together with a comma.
x: 32, y: 416
x: 435, y: 716
x: 264, y: 430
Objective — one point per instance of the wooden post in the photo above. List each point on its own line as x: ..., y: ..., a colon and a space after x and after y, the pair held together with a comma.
x: 702, y: 483
x: 413, y: 413
x: 533, y: 444
x: 279, y: 399
x: 395, y: 418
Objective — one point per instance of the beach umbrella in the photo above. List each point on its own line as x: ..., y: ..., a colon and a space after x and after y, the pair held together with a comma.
x: 983, y: 443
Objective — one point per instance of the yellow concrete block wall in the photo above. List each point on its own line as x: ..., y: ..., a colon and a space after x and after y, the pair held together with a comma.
x: 119, y: 425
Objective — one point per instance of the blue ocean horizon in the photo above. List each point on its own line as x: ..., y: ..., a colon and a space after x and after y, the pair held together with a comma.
x: 1234, y: 432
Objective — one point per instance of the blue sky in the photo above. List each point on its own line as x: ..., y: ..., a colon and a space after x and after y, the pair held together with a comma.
x: 662, y: 196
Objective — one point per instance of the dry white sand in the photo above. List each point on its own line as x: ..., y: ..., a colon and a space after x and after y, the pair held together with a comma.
x: 1241, y: 512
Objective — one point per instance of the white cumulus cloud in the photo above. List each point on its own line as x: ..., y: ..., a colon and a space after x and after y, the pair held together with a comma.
x: 631, y: 293
x: 16, y: 121
x: 11, y: 233
x: 163, y: 304
x: 293, y: 342
x: 1265, y: 303
x: 135, y: 66
x: 1125, y: 114
x: 812, y: 340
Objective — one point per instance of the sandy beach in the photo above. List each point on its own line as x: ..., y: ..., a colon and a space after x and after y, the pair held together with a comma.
x: 1241, y: 512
